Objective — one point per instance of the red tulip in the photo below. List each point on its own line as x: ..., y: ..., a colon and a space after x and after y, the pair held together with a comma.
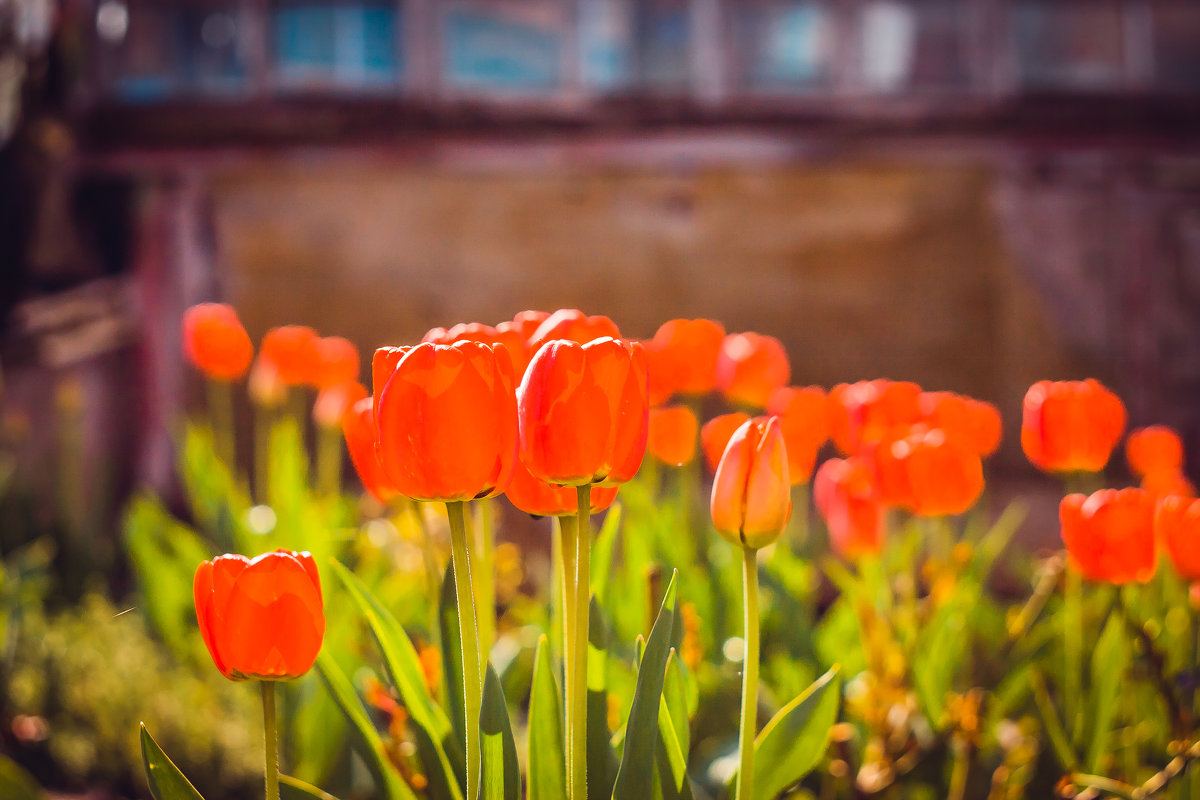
x: 945, y: 476
x: 751, y: 366
x: 804, y: 417
x: 447, y: 422
x: 574, y: 326
x: 215, y: 342
x: 525, y: 323
x: 683, y: 357
x: 1156, y: 448
x: 972, y: 422
x: 1110, y: 535
x: 845, y: 493
x: 509, y: 338
x: 751, y: 494
x: 1167, y: 481
x: 867, y: 412
x: 672, y: 437
x: 1177, y: 524
x: 335, y: 361
x: 261, y: 619
x: 361, y: 432
x: 541, y: 499
x: 716, y: 434
x: 583, y: 412
x: 334, y: 401
x: 1071, y: 426
x: 292, y: 351
x: 383, y: 364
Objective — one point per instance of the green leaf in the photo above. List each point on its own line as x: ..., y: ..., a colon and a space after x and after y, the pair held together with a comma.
x: 295, y: 789
x: 635, y: 777
x: 1055, y: 731
x: 794, y: 741
x: 1110, y: 660
x: 218, y: 503
x: 166, y: 781
x: 675, y: 698
x: 547, y: 757
x: 369, y: 744
x: 16, y: 783
x: 601, y: 758
x: 500, y: 772
x: 403, y: 667
x: 452, y: 672
x: 602, y: 551
x: 672, y: 735
x: 940, y: 652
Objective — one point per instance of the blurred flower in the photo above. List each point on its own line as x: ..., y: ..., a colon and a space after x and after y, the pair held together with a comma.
x: 535, y: 496
x: 335, y: 360
x: 1163, y: 482
x: 928, y: 473
x: 672, y: 437
x: 972, y: 422
x: 804, y: 417
x: 715, y: 434
x: 266, y: 388
x: 1177, y: 525
x: 508, y: 338
x: 360, y: 430
x: 215, y: 342
x: 525, y: 323
x: 574, y: 326
x: 1110, y: 534
x: 447, y: 422
x: 335, y: 400
x: 683, y: 358
x: 261, y: 618
x: 750, y: 366
x: 751, y: 495
x: 292, y: 351
x: 1071, y: 426
x: 845, y: 493
x: 867, y: 412
x: 583, y: 412
x: 691, y: 650
x: 1156, y: 448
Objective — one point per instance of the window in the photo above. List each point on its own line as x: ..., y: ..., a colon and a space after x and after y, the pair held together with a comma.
x: 913, y: 45
x: 1070, y: 44
x: 350, y: 45
x: 784, y: 45
x: 606, y: 43
x: 504, y: 45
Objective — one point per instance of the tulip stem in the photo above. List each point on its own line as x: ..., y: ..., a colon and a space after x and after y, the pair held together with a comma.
x: 469, y: 636
x: 485, y: 580
x: 745, y: 776
x: 1072, y: 648
x: 577, y: 698
x: 271, y: 739
x: 220, y: 409
x: 566, y: 608
x: 329, y: 460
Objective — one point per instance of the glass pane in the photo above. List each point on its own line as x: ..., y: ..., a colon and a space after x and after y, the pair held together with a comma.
x: 304, y: 41
x: 143, y: 63
x: 208, y: 56
x: 913, y: 44
x: 508, y: 46
x: 664, y: 31
x: 606, y: 42
x: 348, y: 44
x: 1177, y: 46
x: 1070, y: 45
x: 785, y: 45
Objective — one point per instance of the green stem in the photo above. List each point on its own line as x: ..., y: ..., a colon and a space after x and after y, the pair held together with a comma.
x: 567, y: 527
x: 577, y: 760
x: 485, y: 575
x: 745, y: 777
x: 329, y: 461
x: 469, y: 635
x: 220, y: 409
x: 433, y: 581
x: 800, y: 510
x: 264, y: 420
x: 1072, y: 650
x: 958, y: 772
x: 271, y: 739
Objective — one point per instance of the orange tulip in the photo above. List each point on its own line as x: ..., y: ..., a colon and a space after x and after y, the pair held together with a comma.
x: 583, y: 412
x: 683, y: 357
x: 672, y: 437
x: 1071, y: 426
x: 509, y: 338
x: 1163, y: 482
x: 804, y: 416
x: 867, y: 412
x: 215, y: 341
x: 335, y: 361
x: 292, y: 351
x: 265, y: 386
x: 574, y: 326
x: 945, y: 476
x: 751, y: 494
x: 334, y: 401
x: 383, y: 364
x: 972, y: 422
x: 750, y: 366
x: 447, y: 422
x: 1177, y: 524
x: 261, y: 618
x: 1110, y: 534
x: 360, y: 430
x: 716, y: 434
x: 1156, y: 448
x: 845, y: 493
x: 541, y: 499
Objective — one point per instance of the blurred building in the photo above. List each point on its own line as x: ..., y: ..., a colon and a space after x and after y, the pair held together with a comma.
x: 974, y: 194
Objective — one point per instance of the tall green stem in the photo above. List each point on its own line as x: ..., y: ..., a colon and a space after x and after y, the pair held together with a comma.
x: 1072, y: 648
x: 271, y: 739
x: 329, y: 460
x: 485, y: 574
x: 264, y: 420
x: 220, y: 409
x: 469, y: 634
x: 745, y: 777
x: 566, y: 605
x: 577, y: 758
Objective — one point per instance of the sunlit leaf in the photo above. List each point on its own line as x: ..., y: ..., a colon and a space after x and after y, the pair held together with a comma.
x: 795, y: 739
x: 547, y: 758
x: 295, y: 789
x: 166, y: 781
x: 500, y: 777
x: 1110, y: 660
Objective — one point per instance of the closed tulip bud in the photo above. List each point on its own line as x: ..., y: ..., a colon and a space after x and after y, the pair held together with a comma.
x: 683, y: 357
x: 447, y: 422
x: 541, y: 499
x: 261, y: 618
x: 1156, y: 448
x: 335, y: 361
x: 333, y: 402
x: 750, y: 366
x: 673, y: 432
x: 751, y: 495
x: 1110, y: 534
x: 215, y: 342
x: 804, y: 417
x: 846, y: 494
x: 1070, y: 426
x: 583, y: 412
x: 1177, y: 524
x: 716, y: 433
x: 292, y: 351
x: 573, y: 325
x: 361, y: 432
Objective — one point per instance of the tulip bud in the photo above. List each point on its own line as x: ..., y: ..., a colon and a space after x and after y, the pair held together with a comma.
x: 215, y: 341
x: 751, y: 495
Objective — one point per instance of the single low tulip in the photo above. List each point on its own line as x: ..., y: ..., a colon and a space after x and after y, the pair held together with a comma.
x: 672, y: 436
x: 541, y: 499
x: 750, y: 366
x: 335, y: 360
x: 573, y: 325
x: 751, y: 495
x: 292, y: 351
x: 361, y: 432
x: 1110, y: 534
x: 447, y: 422
x: 215, y: 342
x: 1177, y: 524
x: 715, y: 435
x: 583, y: 412
x: 1071, y: 426
x: 261, y: 618
x: 1156, y: 448
x: 846, y: 494
x: 804, y: 417
x: 683, y: 357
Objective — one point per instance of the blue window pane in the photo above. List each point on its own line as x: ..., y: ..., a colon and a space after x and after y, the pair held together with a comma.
x: 486, y: 50
x: 665, y: 32
x: 786, y: 45
x: 352, y: 45
x: 606, y: 44
x: 207, y: 51
x: 304, y: 39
